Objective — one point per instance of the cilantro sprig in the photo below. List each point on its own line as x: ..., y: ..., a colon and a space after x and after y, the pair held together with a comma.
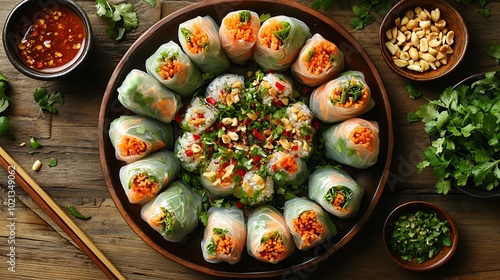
x: 463, y: 125
x: 122, y: 17
x: 5, y: 127
x: 46, y: 100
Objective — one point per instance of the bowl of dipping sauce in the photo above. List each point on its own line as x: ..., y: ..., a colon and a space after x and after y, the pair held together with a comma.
x: 47, y: 40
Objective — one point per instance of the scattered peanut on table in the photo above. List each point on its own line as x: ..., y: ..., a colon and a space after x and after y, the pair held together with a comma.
x: 420, y: 41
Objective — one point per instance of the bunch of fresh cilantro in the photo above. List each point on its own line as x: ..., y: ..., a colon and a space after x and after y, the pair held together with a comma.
x: 464, y: 127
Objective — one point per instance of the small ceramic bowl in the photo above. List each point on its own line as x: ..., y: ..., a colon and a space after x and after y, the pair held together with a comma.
x: 411, y: 207
x: 47, y: 40
x: 399, y: 58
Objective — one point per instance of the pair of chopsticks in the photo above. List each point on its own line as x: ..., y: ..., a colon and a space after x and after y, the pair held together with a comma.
x: 59, y: 216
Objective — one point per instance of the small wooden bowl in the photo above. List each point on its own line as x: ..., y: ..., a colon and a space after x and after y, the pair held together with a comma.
x: 454, y: 22
x: 437, y: 260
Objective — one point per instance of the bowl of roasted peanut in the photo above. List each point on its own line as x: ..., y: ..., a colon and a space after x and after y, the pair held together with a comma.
x: 423, y: 40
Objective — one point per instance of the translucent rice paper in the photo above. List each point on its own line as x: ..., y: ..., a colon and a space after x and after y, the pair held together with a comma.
x: 263, y: 221
x: 181, y: 203
x: 226, y: 89
x: 300, y: 69
x: 138, y: 132
x: 159, y: 168
x: 324, y: 109
x: 339, y: 144
x: 280, y: 59
x: 254, y: 189
x: 188, y: 149
x: 188, y: 78
x: 239, y: 50
x: 231, y: 222
x: 218, y: 178
x: 199, y: 116
x: 144, y: 95
x: 325, y: 182
x: 294, y: 208
x: 211, y: 60
x: 287, y: 169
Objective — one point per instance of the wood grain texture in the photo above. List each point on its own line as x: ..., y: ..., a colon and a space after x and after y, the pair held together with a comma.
x: 43, y: 251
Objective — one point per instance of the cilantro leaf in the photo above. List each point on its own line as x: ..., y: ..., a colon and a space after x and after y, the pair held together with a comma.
x: 494, y: 51
x: 34, y: 144
x: 5, y: 127
x: 4, y: 99
x: 47, y: 100
x: 122, y: 17
x: 413, y: 91
x: 52, y: 162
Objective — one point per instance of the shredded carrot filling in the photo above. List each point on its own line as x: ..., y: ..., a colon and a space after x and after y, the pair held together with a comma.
x: 198, y: 41
x: 288, y: 164
x: 362, y: 136
x: 168, y: 70
x: 273, y: 248
x: 143, y: 187
x: 239, y: 30
x: 224, y: 244
x: 308, y: 227
x: 338, y: 202
x: 319, y: 58
x: 131, y: 146
x: 268, y: 37
x: 166, y: 107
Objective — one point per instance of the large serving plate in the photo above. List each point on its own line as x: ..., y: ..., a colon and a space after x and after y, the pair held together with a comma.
x: 189, y: 254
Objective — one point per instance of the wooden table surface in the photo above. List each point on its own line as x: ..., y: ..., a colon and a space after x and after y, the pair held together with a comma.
x: 43, y: 251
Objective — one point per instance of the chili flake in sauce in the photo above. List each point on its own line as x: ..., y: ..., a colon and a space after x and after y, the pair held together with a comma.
x: 54, y: 38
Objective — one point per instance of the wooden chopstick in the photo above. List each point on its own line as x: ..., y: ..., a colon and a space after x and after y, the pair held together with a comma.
x: 59, y: 216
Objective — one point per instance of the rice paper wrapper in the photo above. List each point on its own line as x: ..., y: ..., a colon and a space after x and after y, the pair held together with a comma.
x: 340, y: 143
x: 144, y: 95
x: 323, y: 106
x: 211, y: 60
x: 135, y: 137
x: 174, y: 212
x: 239, y: 43
x: 287, y: 169
x: 157, y: 170
x: 224, y: 223
x: 335, y: 191
x: 263, y: 222
x: 294, y: 35
x: 294, y: 209
x: 187, y: 78
x: 301, y: 68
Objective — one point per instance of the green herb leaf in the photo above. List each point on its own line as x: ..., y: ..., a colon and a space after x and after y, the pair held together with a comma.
x: 122, y: 17
x: 77, y: 214
x: 151, y: 3
x: 494, y: 51
x: 47, y: 100
x: 5, y: 127
x: 413, y: 91
x: 52, y: 162
x: 34, y: 144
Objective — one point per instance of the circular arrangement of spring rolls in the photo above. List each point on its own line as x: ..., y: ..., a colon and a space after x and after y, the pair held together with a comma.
x: 335, y: 191
x: 174, y: 69
x: 238, y: 35
x: 346, y: 96
x: 318, y: 61
x: 268, y: 238
x: 143, y: 179
x: 280, y: 40
x: 144, y: 95
x: 225, y: 235
x: 354, y: 142
x: 135, y: 137
x: 199, y: 38
x: 173, y: 213
x: 308, y: 223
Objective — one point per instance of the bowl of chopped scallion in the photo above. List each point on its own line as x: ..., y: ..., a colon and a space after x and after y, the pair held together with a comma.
x: 420, y: 236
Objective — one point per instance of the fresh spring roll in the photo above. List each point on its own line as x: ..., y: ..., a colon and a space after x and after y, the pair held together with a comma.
x: 318, y: 61
x: 174, y: 69
x: 287, y: 169
x: 225, y: 90
x: 199, y: 116
x: 308, y: 223
x: 268, y: 239
x: 300, y: 117
x: 344, y: 97
x: 144, y: 95
x: 225, y: 235
x: 218, y: 177
x: 174, y: 212
x: 135, y: 137
x: 145, y: 178
x: 189, y: 151
x: 335, y: 191
x: 199, y: 38
x: 354, y: 142
x: 275, y: 88
x: 254, y: 189
x: 280, y: 40
x: 238, y: 35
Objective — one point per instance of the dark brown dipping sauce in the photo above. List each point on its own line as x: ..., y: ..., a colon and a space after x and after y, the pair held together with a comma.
x: 54, y: 38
